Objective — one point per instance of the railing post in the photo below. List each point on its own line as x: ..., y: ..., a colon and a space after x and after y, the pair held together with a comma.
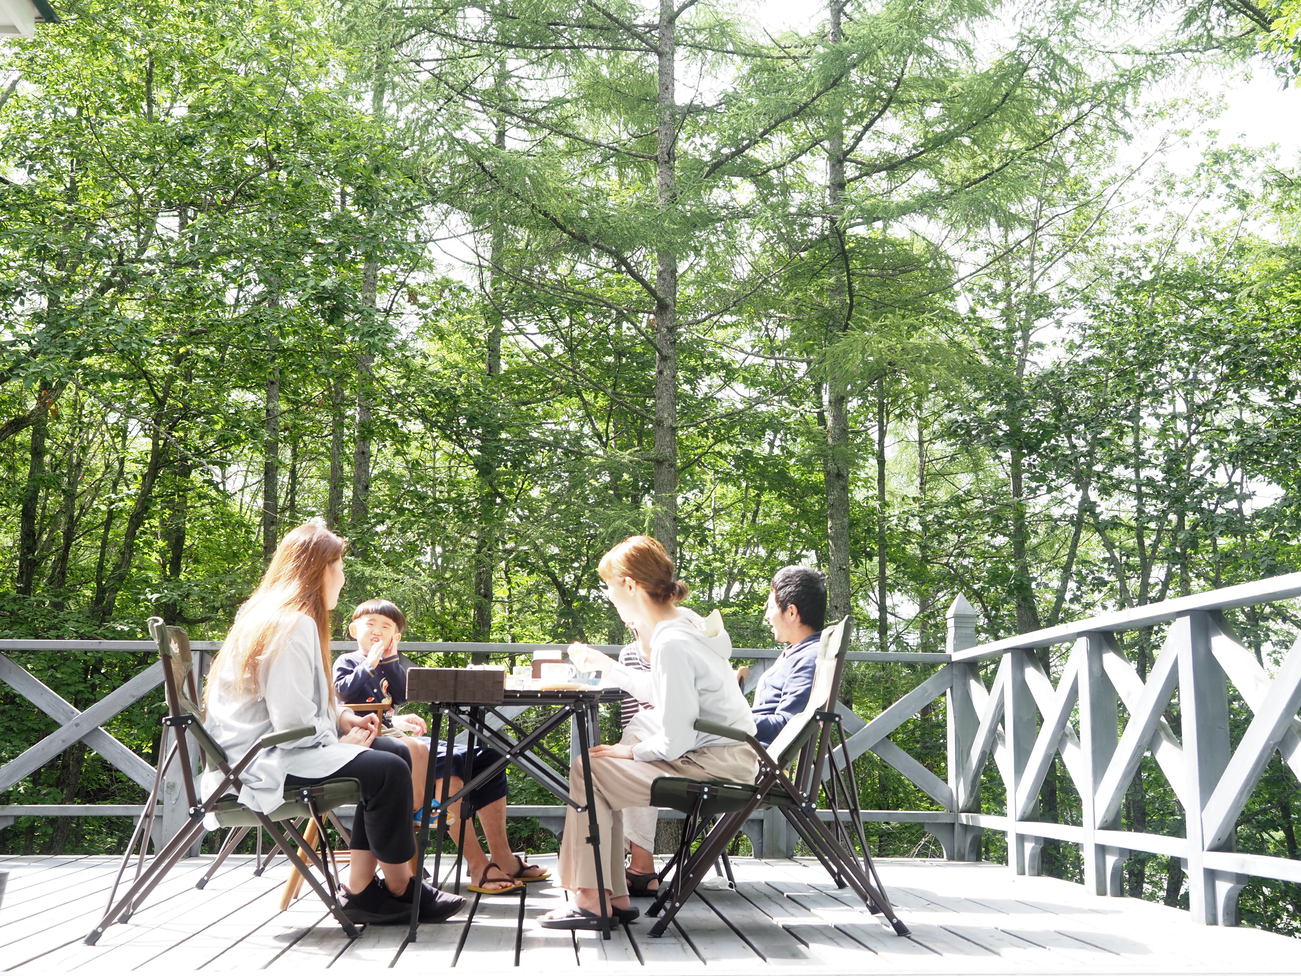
x: 1098, y: 737
x: 1204, y: 723
x: 963, y: 842
x: 1019, y: 709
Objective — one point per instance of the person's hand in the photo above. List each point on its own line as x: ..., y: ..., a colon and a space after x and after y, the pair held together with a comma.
x: 410, y: 724
x: 587, y: 658
x: 350, y: 720
x: 616, y: 751
x: 359, y: 735
x: 379, y: 650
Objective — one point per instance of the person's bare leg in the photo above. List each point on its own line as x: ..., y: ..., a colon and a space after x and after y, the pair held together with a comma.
x: 476, y: 861
x: 492, y: 819
x: 642, y: 861
x: 361, y: 868
x: 419, y: 764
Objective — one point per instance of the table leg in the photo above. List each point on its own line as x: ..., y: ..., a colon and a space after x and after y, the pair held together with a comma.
x: 585, y: 725
x: 447, y: 792
x: 422, y: 844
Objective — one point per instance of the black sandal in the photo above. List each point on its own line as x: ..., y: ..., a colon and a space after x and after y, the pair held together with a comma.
x: 639, y: 884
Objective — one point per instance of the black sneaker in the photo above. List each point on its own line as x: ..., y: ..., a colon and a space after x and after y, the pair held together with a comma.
x: 435, y: 905
x: 373, y: 905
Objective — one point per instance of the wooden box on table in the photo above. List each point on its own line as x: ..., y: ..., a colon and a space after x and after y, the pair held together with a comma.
x: 463, y: 686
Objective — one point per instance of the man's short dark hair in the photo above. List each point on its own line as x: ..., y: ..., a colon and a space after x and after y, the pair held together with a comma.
x: 806, y: 590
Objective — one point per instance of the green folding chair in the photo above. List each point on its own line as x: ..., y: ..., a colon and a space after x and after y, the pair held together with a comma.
x: 795, y: 771
x: 186, y: 729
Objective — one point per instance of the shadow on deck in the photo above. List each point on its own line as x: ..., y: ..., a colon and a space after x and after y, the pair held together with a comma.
x: 965, y: 918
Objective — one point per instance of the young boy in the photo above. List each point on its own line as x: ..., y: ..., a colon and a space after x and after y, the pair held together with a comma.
x: 374, y: 673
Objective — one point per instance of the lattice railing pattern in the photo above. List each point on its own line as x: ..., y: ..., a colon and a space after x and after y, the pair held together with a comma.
x: 1002, y: 705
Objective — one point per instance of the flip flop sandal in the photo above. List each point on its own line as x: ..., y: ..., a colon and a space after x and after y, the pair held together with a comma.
x: 509, y: 884
x: 578, y: 919
x: 525, y: 867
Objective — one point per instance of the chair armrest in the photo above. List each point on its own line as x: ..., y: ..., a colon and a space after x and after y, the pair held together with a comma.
x: 725, y: 731
x: 287, y: 735
x: 371, y: 706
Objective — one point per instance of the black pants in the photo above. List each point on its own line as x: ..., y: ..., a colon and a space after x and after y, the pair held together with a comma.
x: 382, y: 825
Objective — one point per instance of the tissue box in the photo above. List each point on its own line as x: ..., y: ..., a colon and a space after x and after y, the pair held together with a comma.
x: 466, y: 686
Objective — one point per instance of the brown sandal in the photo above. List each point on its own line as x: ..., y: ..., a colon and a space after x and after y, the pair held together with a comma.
x: 523, y: 876
x: 509, y: 884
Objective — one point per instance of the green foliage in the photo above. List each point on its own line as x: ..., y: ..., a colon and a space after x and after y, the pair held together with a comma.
x: 397, y: 268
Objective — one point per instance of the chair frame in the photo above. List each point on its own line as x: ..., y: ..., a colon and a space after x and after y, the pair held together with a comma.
x: 182, y: 721
x: 809, y: 747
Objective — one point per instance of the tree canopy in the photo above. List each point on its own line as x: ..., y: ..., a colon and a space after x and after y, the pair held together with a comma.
x: 915, y: 293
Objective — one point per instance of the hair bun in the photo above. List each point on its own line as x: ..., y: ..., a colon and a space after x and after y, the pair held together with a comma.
x: 643, y: 560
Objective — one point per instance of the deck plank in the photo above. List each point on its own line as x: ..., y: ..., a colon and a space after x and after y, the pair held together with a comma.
x: 771, y: 942
x: 783, y: 915
x: 544, y: 950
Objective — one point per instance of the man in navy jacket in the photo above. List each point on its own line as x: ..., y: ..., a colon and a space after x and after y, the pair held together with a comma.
x: 796, y: 612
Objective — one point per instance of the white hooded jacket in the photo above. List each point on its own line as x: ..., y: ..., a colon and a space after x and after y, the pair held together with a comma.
x: 690, y: 678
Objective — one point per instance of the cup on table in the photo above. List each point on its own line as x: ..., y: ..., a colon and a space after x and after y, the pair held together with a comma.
x: 521, y: 675
x: 544, y: 657
x: 557, y: 672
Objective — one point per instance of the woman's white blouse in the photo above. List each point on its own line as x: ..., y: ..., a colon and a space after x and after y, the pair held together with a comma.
x: 294, y: 693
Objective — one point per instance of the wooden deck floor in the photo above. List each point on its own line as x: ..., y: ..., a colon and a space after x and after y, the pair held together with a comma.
x: 965, y: 918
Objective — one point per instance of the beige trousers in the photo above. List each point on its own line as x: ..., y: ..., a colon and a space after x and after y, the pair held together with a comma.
x: 618, y: 784
x: 639, y: 826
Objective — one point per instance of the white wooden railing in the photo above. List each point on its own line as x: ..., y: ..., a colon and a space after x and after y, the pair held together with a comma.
x: 1001, y: 703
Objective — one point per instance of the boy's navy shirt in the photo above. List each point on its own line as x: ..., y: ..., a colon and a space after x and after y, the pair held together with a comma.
x: 357, y: 684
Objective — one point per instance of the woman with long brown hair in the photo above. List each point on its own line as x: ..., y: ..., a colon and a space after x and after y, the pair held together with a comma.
x: 690, y: 678
x: 273, y: 674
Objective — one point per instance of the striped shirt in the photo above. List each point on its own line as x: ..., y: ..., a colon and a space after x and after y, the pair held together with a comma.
x: 630, y: 657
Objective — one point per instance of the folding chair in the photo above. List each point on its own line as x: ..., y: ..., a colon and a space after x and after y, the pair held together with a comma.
x: 183, y: 722
x: 715, y: 811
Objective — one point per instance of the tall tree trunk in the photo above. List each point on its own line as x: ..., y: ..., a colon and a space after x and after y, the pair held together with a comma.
x: 290, y: 509
x: 334, y: 491
x: 926, y: 630
x: 666, y: 286
x: 159, y: 453
x: 882, y: 521
x: 1027, y: 613
x: 68, y: 514
x: 337, y: 318
x: 836, y: 397
x: 28, y: 527
x: 110, y: 518
x: 359, y: 510
x: 72, y: 763
x: 489, y: 453
x: 175, y: 512
x: 271, y: 464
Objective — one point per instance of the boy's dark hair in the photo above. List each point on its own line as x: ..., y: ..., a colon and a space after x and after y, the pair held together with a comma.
x: 385, y: 609
x: 804, y: 588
